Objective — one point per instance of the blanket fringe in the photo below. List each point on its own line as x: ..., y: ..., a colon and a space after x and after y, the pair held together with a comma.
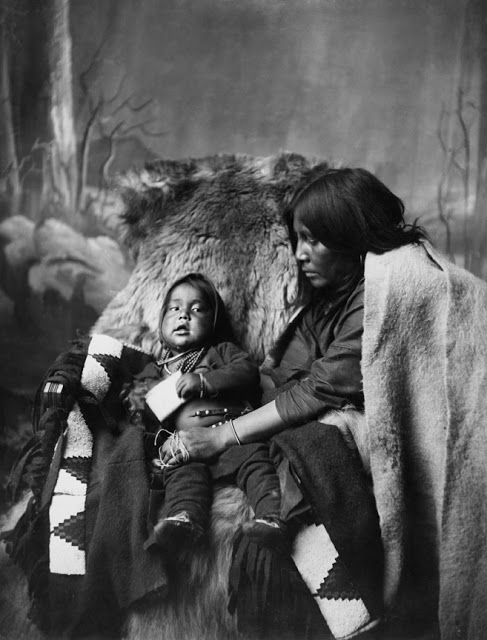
x: 25, y: 544
x: 268, y: 595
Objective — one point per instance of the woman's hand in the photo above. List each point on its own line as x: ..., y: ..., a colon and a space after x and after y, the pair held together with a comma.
x: 202, y: 444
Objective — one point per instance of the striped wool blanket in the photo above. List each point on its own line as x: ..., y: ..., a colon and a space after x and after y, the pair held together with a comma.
x: 67, y: 545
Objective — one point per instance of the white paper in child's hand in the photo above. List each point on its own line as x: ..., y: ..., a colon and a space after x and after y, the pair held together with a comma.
x: 163, y: 398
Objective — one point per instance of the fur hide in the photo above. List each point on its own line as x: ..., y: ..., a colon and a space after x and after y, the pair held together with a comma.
x: 222, y: 216
x: 197, y: 603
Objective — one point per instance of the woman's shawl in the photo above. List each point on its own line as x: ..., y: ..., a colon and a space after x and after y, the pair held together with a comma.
x: 424, y: 368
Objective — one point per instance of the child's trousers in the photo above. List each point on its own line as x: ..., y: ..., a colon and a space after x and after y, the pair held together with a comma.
x: 189, y: 487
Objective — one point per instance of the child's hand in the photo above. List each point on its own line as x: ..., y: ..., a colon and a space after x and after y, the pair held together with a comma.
x: 168, y: 454
x: 188, y: 386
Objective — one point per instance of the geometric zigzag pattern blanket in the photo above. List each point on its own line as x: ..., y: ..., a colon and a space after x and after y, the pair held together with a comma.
x: 327, y: 579
x: 67, y: 510
x: 314, y: 553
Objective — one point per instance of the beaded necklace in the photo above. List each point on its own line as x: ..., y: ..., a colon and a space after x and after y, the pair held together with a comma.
x: 187, y: 361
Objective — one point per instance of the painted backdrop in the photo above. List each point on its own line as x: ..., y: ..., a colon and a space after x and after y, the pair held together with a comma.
x: 91, y: 88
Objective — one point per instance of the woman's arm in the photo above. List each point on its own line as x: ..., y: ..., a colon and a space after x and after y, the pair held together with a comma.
x: 205, y: 443
x: 334, y: 380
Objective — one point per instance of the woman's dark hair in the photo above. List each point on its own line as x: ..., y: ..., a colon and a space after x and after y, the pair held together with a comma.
x: 222, y: 327
x: 352, y: 212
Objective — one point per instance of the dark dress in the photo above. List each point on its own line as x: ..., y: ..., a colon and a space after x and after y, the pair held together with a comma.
x: 315, y: 367
x: 321, y: 358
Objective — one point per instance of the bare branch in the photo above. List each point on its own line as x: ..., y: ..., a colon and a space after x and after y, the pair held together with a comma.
x: 137, y: 126
x: 111, y: 117
x: 116, y: 129
x: 105, y: 167
x: 152, y: 134
x: 24, y: 161
x: 444, y: 219
x: 443, y: 188
x: 83, y: 76
x: 463, y: 127
x: 118, y: 92
x: 457, y: 166
x: 44, y: 146
x: 439, y: 130
x: 465, y: 173
x: 130, y: 107
x: 84, y: 153
x: 6, y: 171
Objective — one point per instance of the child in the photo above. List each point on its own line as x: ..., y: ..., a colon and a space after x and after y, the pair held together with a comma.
x: 196, y: 333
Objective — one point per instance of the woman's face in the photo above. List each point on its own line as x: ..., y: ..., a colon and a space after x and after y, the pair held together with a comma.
x: 323, y: 267
x: 188, y: 320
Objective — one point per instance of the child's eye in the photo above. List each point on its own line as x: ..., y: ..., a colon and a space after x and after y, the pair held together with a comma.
x: 174, y: 308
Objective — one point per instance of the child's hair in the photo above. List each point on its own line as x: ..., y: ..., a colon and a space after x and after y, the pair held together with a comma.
x: 222, y: 327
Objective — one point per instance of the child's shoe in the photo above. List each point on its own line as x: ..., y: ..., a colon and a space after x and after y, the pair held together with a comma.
x: 177, y: 532
x: 269, y: 532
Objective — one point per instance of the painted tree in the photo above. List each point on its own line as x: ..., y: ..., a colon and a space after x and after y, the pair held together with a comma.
x: 108, y: 116
x: 61, y: 170
x: 9, y: 164
x: 462, y: 133
x: 38, y: 136
x: 479, y: 218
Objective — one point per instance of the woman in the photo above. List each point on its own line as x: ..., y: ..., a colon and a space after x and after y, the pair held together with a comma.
x: 334, y: 221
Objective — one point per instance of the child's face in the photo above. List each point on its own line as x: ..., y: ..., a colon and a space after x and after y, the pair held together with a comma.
x: 188, y: 320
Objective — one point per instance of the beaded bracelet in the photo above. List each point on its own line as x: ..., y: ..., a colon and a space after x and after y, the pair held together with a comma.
x: 235, y: 432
